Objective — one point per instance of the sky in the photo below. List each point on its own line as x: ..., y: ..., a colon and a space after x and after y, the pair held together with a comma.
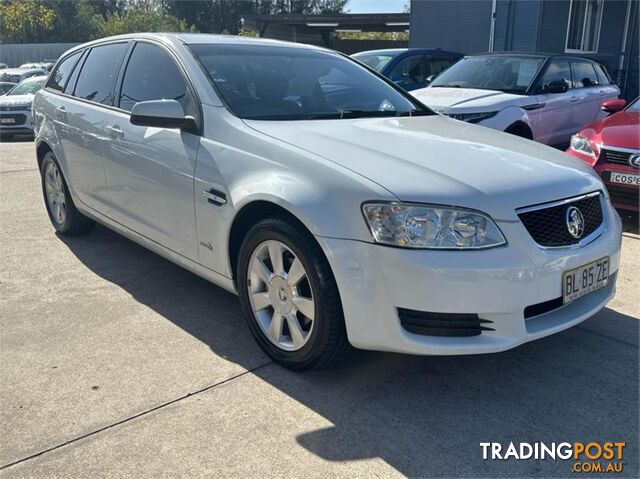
x: 375, y: 6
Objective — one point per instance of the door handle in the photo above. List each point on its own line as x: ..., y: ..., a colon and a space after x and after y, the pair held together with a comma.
x: 115, y: 131
x: 574, y: 98
x: 215, y: 197
x: 61, y: 113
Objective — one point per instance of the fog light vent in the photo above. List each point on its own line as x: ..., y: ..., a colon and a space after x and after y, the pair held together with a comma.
x: 442, y: 324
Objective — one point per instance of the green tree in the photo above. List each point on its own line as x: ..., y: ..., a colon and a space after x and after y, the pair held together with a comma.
x: 130, y: 21
x: 25, y: 21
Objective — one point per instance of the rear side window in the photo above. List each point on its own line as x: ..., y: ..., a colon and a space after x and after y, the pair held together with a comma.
x: 409, y: 70
x: 437, y: 65
x: 603, y: 77
x: 152, y: 74
x: 584, y: 75
x: 98, y: 73
x: 557, y: 71
x: 59, y: 77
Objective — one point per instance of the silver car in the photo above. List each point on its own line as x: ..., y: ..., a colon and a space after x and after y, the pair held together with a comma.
x: 339, y: 208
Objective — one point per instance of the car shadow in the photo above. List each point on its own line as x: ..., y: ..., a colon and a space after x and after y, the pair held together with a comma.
x: 630, y: 221
x: 424, y: 416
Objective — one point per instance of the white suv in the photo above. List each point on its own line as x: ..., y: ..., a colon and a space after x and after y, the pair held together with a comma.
x: 540, y: 97
x: 337, y: 207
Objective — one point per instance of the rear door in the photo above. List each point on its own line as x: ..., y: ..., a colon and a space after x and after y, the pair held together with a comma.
x: 79, y: 115
x: 150, y: 170
x: 589, y: 93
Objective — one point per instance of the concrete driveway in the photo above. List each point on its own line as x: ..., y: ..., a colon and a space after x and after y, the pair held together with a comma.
x: 115, y: 362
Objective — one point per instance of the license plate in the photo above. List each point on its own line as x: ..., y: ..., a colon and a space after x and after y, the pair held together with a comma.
x: 584, y: 279
x: 624, y: 178
x: 7, y: 121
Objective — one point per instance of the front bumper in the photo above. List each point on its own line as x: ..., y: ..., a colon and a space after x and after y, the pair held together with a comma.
x: 497, y: 284
x: 22, y: 122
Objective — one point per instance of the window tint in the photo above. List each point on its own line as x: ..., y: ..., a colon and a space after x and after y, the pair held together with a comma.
x: 603, y: 77
x: 59, y: 77
x: 557, y: 71
x: 71, y: 84
x: 98, y: 73
x: 584, y: 75
x: 409, y: 70
x: 153, y: 75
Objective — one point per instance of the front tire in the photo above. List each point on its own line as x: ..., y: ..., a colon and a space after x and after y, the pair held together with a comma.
x: 64, y: 216
x: 289, y: 296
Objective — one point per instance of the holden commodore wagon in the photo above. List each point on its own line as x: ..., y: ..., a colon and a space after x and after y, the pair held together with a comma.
x: 340, y: 210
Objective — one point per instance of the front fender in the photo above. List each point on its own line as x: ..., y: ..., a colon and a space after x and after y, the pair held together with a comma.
x: 507, y: 117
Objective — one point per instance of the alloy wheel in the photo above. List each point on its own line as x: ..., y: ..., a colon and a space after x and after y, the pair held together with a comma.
x: 54, y: 189
x: 280, y: 295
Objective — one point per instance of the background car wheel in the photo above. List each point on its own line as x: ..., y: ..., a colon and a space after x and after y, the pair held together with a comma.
x: 520, y: 129
x: 289, y: 296
x: 64, y: 216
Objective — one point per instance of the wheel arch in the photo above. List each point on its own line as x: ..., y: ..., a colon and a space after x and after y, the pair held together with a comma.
x: 520, y: 128
x: 247, y: 216
x: 42, y: 148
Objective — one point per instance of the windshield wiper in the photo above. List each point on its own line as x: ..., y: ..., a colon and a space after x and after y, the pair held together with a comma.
x: 452, y: 85
x: 365, y: 113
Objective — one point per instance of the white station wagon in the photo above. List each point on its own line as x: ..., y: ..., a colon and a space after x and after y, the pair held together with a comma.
x: 340, y: 209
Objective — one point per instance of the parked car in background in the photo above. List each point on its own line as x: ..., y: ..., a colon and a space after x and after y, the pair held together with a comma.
x: 15, y: 107
x: 546, y: 98
x: 46, y: 65
x: 5, y: 86
x: 334, y: 204
x: 16, y: 75
x: 612, y: 148
x: 410, y: 68
x: 3, y: 66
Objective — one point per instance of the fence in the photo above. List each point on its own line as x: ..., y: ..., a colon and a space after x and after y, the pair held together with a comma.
x: 15, y: 55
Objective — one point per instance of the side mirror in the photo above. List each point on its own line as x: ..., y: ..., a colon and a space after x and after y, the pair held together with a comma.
x: 161, y: 114
x: 613, y: 106
x: 429, y: 79
x: 555, y: 86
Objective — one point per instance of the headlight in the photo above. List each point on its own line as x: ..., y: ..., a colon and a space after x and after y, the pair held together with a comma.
x: 473, y: 117
x: 433, y: 227
x: 582, y: 145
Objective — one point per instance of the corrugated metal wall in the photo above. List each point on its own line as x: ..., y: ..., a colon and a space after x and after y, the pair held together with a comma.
x: 462, y: 25
x: 16, y: 55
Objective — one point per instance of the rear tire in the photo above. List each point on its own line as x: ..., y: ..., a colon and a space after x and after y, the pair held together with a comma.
x: 291, y: 304
x: 64, y: 216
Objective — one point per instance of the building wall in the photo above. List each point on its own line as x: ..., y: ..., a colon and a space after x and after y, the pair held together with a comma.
x: 461, y: 25
x: 517, y: 25
x: 524, y: 25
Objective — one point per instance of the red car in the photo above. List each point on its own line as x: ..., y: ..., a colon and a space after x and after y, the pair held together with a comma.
x: 612, y: 147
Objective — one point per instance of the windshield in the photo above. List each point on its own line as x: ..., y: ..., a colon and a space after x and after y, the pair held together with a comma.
x: 503, y: 73
x: 634, y: 106
x: 283, y: 83
x: 373, y: 60
x: 28, y: 87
